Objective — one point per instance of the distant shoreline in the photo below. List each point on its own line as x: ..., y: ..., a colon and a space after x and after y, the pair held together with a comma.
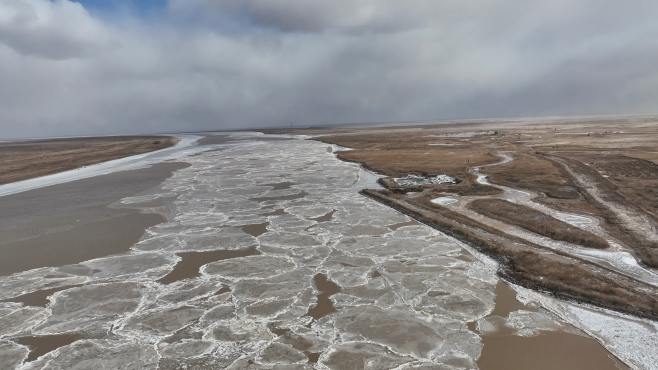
x: 27, y: 159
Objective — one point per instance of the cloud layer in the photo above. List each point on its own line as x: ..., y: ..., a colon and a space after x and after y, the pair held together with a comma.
x: 214, y: 64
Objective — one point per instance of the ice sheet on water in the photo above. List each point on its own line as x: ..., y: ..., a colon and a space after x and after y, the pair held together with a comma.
x: 42, y: 278
x: 162, y: 322
x: 287, y: 285
x: 218, y: 313
x: 373, y: 356
x: 288, y: 239
x: 99, y: 354
x: 406, y: 332
x: 91, y: 307
x: 249, y: 333
x: 186, y: 348
x: 144, y: 264
x: 16, y: 319
x: 281, y: 353
x: 531, y: 323
x: 186, y: 291
x: 12, y: 354
x: 249, y: 267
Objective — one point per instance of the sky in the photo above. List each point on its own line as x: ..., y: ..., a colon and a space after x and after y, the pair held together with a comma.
x: 137, y: 66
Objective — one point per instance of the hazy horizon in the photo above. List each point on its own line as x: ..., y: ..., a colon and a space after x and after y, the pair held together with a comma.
x: 83, y: 68
x: 311, y: 125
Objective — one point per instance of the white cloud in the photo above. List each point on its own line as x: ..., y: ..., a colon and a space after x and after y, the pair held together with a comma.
x: 242, y: 63
x: 59, y: 30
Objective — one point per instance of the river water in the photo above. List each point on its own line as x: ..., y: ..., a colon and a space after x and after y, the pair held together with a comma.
x: 270, y: 258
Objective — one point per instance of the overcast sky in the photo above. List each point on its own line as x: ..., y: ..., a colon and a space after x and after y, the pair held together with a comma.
x: 125, y: 66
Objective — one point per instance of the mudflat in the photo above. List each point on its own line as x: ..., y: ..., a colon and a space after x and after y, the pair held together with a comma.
x: 73, y: 222
x: 21, y: 160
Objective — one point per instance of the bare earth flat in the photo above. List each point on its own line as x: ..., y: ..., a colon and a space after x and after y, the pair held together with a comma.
x: 21, y: 160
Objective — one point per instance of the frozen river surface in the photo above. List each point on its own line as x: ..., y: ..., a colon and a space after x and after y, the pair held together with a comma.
x: 278, y: 263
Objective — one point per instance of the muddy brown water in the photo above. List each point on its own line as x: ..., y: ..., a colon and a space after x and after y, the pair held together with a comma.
x: 280, y: 185
x: 188, y: 267
x: 550, y: 350
x: 73, y: 222
x: 255, y: 229
x: 43, y: 344
x: 40, y: 298
x: 547, y: 351
x: 506, y: 301
x: 324, y: 305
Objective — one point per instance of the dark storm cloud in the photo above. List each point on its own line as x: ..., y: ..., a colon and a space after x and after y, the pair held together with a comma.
x: 246, y: 63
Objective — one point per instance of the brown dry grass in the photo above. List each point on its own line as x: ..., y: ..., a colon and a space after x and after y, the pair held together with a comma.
x: 27, y: 159
x: 536, y: 222
x: 534, y: 173
x: 425, y: 161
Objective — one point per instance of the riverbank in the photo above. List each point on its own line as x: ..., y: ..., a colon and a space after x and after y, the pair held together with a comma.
x: 21, y: 160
